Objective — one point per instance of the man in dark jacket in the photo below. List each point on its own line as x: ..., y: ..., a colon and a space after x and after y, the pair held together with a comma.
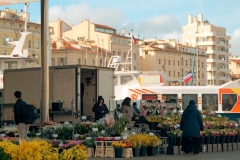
x: 191, y: 124
x: 21, y: 126
x: 135, y: 107
x: 100, y: 108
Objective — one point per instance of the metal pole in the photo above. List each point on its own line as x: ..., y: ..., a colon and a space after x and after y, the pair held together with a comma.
x: 132, y: 51
x: 197, y: 59
x: 44, y: 60
x: 194, y: 61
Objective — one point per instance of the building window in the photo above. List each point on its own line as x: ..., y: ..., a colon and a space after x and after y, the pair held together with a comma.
x: 37, y: 44
x: 159, y: 61
x: 178, y: 74
x: 182, y: 61
x: 29, y: 44
x: 178, y: 63
x: 190, y: 62
x: 93, y: 62
x: 173, y: 62
x: 53, y: 61
x: 4, y: 40
x: 169, y: 73
x: 113, y: 53
x: 173, y: 73
x: 85, y: 62
x: 202, y: 65
x: 28, y: 27
x: 134, y: 56
x: 186, y: 62
x: 134, y: 68
x: 20, y: 25
x: 79, y: 61
x: 202, y: 75
x: 169, y: 62
x: 62, y: 61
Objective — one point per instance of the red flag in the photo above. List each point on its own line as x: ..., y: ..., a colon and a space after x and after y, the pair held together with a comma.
x: 187, y: 77
x: 134, y: 40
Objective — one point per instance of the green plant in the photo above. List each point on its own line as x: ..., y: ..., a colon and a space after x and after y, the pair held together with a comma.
x: 120, y: 125
x: 65, y: 132
x: 60, y: 100
x: 83, y: 128
x: 89, y: 143
x: 3, y: 155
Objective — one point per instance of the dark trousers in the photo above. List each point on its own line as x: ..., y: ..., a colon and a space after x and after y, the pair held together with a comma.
x: 190, y: 145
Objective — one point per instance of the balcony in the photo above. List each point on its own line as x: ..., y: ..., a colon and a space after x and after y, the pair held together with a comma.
x: 212, y: 77
x: 226, y: 45
x: 216, y: 61
x: 206, y: 43
x: 212, y: 69
x: 225, y: 70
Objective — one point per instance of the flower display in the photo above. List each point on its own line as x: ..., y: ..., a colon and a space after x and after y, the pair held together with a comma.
x: 78, y: 152
x: 119, y: 144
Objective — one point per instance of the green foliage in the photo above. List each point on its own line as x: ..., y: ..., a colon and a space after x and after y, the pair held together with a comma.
x: 65, y: 132
x: 3, y: 155
x: 89, y: 143
x: 82, y: 128
x: 120, y: 125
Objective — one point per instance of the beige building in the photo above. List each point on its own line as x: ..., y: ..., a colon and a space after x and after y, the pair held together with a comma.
x: 201, y: 33
x: 234, y: 66
x: 174, y: 59
x: 104, y: 38
x: 11, y: 26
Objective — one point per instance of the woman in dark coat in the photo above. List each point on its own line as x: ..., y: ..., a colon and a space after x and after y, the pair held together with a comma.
x: 191, y: 124
x: 100, y: 108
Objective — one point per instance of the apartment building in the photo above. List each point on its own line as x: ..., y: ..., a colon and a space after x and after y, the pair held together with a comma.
x: 201, y: 33
x: 11, y: 25
x: 174, y: 59
x: 104, y: 38
x: 234, y: 66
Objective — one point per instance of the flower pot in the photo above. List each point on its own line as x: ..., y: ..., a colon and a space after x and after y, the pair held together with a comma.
x: 232, y: 139
x: 143, y: 151
x: 207, y: 139
x: 164, y: 132
x: 212, y: 140
x: 136, y: 152
x: 152, y: 125
x: 178, y: 141
x: 171, y: 141
x: 118, y: 152
x: 56, y: 106
x: 237, y: 138
x: 201, y: 140
x: 151, y: 151
x: 222, y: 139
x: 227, y: 139
x: 217, y: 138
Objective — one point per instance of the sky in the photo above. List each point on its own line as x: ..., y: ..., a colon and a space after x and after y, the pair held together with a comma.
x: 159, y: 19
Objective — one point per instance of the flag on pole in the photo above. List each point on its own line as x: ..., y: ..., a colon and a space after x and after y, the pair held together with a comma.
x: 134, y: 41
x: 187, y: 77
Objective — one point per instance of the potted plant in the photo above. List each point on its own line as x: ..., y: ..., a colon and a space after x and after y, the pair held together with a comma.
x: 118, y: 148
x: 90, y: 144
x: 145, y: 144
x: 57, y: 104
x: 154, y: 141
x: 65, y: 132
x: 136, y: 144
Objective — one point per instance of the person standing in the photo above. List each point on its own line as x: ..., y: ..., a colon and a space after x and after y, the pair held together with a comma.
x: 100, y: 108
x: 128, y: 110
x: 18, y: 117
x: 135, y: 107
x: 192, y: 125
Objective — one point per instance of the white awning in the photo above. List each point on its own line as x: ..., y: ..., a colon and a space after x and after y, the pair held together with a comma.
x: 8, y: 2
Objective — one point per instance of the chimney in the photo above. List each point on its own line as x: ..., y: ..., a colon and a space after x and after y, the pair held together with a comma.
x: 200, y: 17
x: 123, y: 32
x: 190, y: 19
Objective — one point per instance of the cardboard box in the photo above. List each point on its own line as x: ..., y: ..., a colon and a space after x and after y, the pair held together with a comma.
x: 234, y: 146
x: 219, y: 147
x: 214, y: 147
x: 224, y: 146
x: 238, y: 146
x: 230, y: 146
x: 176, y: 150
x: 209, y: 148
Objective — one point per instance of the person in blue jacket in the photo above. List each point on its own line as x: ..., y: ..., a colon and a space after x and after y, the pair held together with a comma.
x: 192, y: 125
x: 100, y: 108
x: 135, y: 107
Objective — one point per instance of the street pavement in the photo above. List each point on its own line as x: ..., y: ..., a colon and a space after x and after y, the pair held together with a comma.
x: 228, y: 155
